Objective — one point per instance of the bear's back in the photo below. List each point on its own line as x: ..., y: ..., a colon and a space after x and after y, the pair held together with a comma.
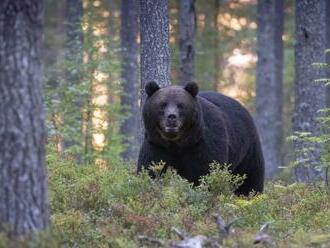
x: 241, y: 129
x: 227, y: 104
x: 236, y: 113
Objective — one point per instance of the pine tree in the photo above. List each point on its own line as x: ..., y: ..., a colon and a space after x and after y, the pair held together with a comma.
x: 187, y: 40
x: 309, y: 95
x: 23, y: 183
x: 155, y: 53
x: 269, y: 81
x: 130, y: 49
x: 74, y: 57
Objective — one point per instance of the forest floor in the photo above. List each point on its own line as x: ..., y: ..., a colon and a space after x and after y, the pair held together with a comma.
x: 111, y: 206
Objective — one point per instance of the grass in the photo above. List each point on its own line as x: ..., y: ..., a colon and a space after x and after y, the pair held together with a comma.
x: 110, y: 206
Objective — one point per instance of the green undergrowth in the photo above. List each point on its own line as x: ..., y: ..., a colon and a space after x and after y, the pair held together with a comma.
x: 110, y: 206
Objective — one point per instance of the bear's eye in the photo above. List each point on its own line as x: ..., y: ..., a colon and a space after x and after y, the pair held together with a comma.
x: 180, y: 106
x: 163, y: 105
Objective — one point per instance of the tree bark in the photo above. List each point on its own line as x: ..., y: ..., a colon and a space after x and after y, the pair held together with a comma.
x: 217, y: 60
x: 23, y: 186
x: 187, y: 40
x: 155, y: 53
x: 328, y: 48
x: 74, y: 57
x: 309, y: 95
x: 269, y: 81
x: 129, y: 74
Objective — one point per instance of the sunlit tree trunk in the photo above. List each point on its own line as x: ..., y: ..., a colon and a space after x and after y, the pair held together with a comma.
x: 309, y: 95
x: 129, y: 75
x: 23, y: 183
x: 187, y: 35
x: 155, y: 54
x: 269, y: 81
x: 74, y: 58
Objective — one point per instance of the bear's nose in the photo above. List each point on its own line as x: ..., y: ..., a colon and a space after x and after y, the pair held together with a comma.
x: 171, y: 117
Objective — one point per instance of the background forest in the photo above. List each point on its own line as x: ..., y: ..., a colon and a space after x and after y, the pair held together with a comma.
x: 270, y: 55
x: 225, y: 60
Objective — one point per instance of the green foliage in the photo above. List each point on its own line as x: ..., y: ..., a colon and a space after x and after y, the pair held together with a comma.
x: 304, y: 154
x: 74, y: 115
x: 110, y: 206
x: 221, y: 181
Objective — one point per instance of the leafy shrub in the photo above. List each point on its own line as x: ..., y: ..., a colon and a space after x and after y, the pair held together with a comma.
x: 220, y: 180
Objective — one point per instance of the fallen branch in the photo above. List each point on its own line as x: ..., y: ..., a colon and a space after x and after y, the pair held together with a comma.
x: 198, y: 241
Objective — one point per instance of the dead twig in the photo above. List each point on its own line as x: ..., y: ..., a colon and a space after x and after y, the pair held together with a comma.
x: 180, y: 234
x: 326, y: 180
x: 262, y: 237
x: 151, y: 241
x: 223, y: 228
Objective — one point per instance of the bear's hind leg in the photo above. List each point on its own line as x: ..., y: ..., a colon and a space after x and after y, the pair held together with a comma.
x: 253, y: 167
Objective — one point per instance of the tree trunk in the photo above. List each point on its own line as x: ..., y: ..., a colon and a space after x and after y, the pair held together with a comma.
x: 187, y: 40
x: 74, y: 57
x: 309, y: 95
x: 328, y: 52
x: 129, y: 75
x: 217, y: 60
x: 74, y: 15
x: 23, y: 186
x: 269, y: 81
x: 53, y: 42
x: 155, y: 53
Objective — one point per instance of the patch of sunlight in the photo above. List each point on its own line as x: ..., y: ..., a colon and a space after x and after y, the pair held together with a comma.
x: 116, y: 13
x: 100, y: 30
x: 173, y: 10
x: 85, y: 57
x: 85, y: 4
x: 99, y: 117
x: 106, y: 14
x: 253, y: 25
x: 101, y: 76
x: 98, y: 141
x: 97, y: 3
x: 101, y: 164
x: 84, y: 26
x: 201, y: 20
x: 240, y: 59
x: 231, y: 22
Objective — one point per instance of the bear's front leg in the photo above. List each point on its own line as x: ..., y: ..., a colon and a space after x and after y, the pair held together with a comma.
x: 150, y: 154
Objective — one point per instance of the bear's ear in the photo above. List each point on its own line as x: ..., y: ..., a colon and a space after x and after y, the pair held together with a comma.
x: 151, y: 88
x: 192, y: 88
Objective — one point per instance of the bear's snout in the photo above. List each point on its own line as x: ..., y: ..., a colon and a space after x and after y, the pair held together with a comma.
x: 171, y: 118
x: 171, y: 121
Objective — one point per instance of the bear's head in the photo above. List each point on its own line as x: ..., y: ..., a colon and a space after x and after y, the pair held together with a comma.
x: 171, y: 113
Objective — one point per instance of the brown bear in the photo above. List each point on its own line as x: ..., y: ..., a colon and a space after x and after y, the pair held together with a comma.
x: 188, y: 130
